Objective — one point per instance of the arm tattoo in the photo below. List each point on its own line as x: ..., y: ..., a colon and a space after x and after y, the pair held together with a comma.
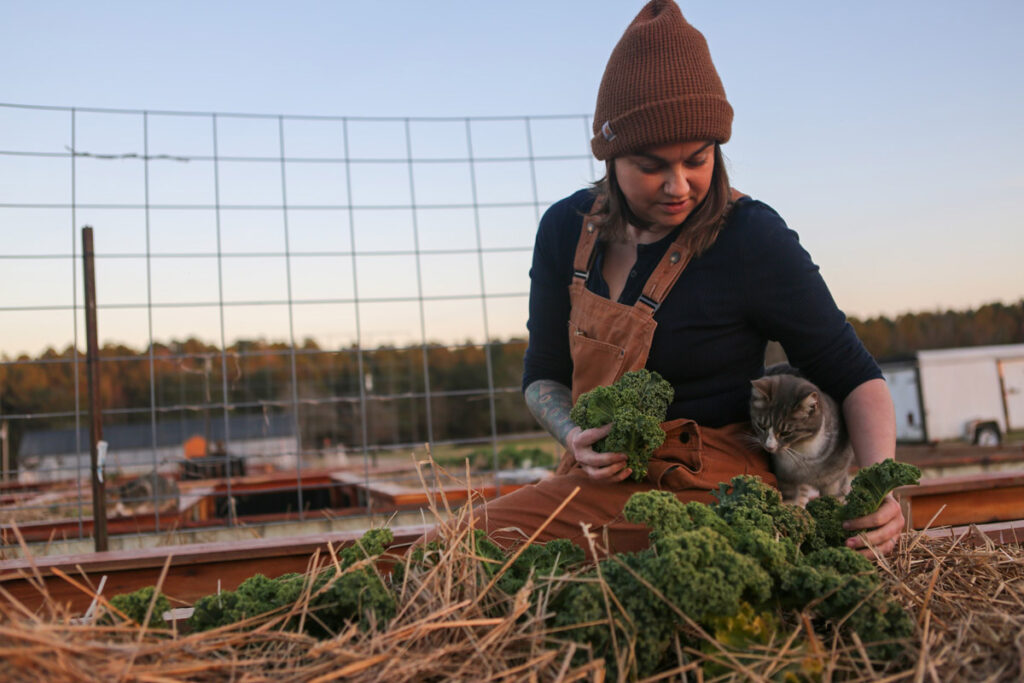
x: 550, y: 402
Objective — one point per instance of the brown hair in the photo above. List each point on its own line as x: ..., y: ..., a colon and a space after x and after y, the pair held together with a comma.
x: 701, y: 227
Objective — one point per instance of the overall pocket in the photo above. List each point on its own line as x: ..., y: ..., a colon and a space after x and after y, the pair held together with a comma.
x: 679, y: 462
x: 595, y: 363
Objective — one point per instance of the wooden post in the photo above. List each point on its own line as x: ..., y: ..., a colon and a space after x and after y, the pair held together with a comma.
x: 4, y: 452
x: 99, y: 498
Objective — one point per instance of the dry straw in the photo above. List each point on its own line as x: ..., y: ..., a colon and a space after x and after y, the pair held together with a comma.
x: 453, y: 624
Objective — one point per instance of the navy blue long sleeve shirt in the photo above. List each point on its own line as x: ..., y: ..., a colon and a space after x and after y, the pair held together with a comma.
x: 754, y: 284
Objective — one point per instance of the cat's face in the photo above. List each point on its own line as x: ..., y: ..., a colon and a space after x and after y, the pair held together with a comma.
x: 784, y: 411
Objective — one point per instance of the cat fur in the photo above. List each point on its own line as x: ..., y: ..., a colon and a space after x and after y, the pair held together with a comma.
x: 802, y: 429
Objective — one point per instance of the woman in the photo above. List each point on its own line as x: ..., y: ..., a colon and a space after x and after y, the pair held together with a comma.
x: 663, y: 266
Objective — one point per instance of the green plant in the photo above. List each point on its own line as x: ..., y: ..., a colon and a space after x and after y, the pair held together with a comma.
x: 867, y: 491
x: 135, y: 605
x: 635, y: 406
x: 355, y: 593
x: 714, y: 562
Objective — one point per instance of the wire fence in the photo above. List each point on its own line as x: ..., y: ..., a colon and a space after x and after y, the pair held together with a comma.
x: 275, y: 294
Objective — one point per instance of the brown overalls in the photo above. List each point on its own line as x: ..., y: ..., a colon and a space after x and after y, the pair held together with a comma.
x: 606, y: 340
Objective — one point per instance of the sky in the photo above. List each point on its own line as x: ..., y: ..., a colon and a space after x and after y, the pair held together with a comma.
x: 888, y: 135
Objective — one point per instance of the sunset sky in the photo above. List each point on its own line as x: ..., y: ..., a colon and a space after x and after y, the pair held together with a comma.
x: 887, y: 134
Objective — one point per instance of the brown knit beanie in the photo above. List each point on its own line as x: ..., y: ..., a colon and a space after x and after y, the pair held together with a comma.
x: 659, y: 87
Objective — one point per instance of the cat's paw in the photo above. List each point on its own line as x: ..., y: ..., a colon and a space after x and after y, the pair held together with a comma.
x: 804, y: 493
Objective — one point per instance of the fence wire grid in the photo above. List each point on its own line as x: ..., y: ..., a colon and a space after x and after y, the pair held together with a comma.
x: 301, y: 292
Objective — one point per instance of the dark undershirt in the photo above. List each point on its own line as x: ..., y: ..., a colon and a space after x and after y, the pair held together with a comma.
x: 754, y: 284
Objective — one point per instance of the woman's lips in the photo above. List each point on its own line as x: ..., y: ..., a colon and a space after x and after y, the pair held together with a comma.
x: 673, y: 207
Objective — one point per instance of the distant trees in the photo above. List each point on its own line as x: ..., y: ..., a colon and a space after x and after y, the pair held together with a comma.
x: 990, y: 324
x: 191, y: 378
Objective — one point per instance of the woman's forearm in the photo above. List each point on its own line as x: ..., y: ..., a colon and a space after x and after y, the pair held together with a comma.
x: 872, y: 426
x: 550, y: 402
x: 871, y: 422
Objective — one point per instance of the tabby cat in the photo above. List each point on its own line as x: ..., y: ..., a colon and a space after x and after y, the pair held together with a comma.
x: 802, y: 429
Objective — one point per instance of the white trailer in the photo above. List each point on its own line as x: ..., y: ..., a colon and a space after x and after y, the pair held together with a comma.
x: 973, y: 393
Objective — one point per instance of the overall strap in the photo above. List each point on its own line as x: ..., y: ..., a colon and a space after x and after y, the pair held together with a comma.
x: 664, y: 276
x: 658, y: 284
x: 583, y: 261
x: 671, y: 266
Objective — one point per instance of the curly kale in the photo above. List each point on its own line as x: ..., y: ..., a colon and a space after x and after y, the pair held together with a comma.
x: 841, y: 559
x: 697, y: 572
x: 539, y: 561
x: 373, y: 543
x: 746, y: 638
x: 712, y: 562
x: 256, y: 595
x: 867, y: 491
x: 836, y: 583
x: 611, y: 607
x: 356, y: 593
x: 746, y: 496
x: 840, y: 585
x: 666, y: 515
x: 135, y: 605
x: 693, y: 564
x: 760, y: 524
x: 872, y: 484
x: 635, y: 405
x: 719, y: 577
x: 826, y: 511
x: 536, y: 562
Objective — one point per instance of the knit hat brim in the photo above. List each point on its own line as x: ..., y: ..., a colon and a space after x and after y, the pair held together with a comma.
x: 692, y: 117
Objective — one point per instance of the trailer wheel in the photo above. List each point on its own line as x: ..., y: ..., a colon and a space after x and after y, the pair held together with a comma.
x: 987, y: 434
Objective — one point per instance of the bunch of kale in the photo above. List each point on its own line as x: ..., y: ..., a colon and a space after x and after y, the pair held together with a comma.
x: 635, y: 405
x: 748, y: 553
x: 136, y: 605
x: 334, y: 598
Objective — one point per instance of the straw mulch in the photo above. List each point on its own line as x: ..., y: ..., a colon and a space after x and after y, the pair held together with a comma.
x: 454, y: 624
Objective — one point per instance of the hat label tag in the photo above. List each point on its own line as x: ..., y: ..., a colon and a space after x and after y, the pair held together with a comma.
x: 607, y: 132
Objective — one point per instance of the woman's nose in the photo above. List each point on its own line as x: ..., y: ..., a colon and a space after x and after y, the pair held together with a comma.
x: 676, y: 182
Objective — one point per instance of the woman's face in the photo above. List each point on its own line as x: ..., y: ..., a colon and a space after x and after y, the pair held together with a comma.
x: 664, y: 184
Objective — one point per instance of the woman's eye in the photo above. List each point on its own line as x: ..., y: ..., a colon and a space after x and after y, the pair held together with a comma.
x: 697, y: 163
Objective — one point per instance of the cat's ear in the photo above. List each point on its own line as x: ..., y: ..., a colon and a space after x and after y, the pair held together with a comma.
x: 809, y: 406
x: 761, y: 388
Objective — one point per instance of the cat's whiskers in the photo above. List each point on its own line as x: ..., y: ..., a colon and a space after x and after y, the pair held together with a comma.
x: 750, y: 441
x: 791, y: 452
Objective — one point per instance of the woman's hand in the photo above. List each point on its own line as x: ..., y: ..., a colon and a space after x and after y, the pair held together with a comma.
x: 604, y: 467
x: 871, y: 423
x: 881, y: 529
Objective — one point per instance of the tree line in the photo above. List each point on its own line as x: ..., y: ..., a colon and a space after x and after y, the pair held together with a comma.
x: 411, y: 395
x: 994, y: 323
